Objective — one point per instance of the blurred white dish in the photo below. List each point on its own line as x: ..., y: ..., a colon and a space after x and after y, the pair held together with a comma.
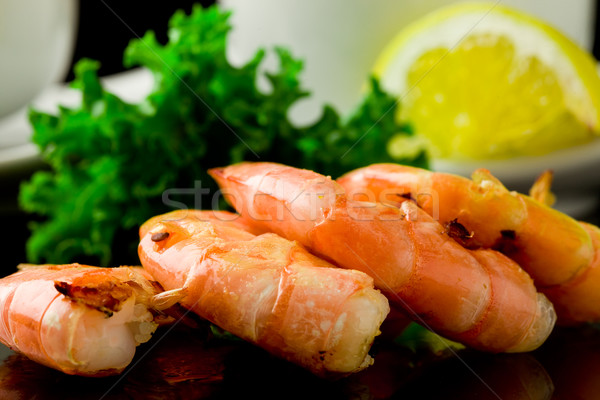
x: 36, y: 46
x: 16, y: 149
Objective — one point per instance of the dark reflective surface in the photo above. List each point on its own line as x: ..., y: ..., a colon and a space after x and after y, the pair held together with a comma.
x: 572, y: 359
x: 482, y: 376
x: 187, y: 363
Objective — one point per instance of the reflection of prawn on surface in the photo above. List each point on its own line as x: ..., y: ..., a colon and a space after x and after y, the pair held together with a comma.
x: 561, y: 255
x: 488, y: 377
x: 80, y: 319
x: 478, y: 297
x: 572, y: 359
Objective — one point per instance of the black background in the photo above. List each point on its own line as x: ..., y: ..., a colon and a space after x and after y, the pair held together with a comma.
x: 107, y: 26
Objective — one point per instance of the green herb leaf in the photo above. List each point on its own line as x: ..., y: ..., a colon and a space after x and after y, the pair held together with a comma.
x: 416, y: 338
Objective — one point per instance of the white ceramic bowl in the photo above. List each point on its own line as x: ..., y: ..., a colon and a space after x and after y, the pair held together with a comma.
x: 36, y: 44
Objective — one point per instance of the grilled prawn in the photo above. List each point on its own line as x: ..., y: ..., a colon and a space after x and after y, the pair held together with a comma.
x: 265, y: 289
x: 79, y: 319
x: 561, y: 254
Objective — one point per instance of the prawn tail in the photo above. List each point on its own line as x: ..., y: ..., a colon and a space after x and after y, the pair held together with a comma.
x: 540, y: 190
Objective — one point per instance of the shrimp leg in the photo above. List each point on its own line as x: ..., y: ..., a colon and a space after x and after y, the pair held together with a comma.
x: 265, y: 289
x: 553, y: 248
x: 79, y: 319
x: 480, y: 298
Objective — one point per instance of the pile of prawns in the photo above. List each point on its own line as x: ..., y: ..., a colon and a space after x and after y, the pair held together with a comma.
x: 308, y: 267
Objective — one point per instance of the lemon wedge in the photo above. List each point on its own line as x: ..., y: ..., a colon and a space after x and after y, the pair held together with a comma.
x: 483, y: 81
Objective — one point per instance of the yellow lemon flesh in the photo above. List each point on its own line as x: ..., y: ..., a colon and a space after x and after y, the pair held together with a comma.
x: 480, y: 81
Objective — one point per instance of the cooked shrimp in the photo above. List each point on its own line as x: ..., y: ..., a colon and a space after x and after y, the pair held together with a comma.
x: 79, y: 319
x: 265, y: 289
x: 549, y: 245
x: 559, y: 253
x: 577, y: 300
x: 480, y: 298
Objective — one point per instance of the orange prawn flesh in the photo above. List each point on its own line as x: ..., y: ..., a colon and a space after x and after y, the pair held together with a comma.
x: 549, y: 245
x: 480, y: 298
x: 79, y: 319
x: 553, y: 248
x: 265, y: 289
x: 578, y: 300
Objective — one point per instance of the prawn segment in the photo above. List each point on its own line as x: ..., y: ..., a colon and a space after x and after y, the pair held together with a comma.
x: 266, y: 289
x: 578, y: 299
x: 412, y: 260
x: 549, y: 245
x: 78, y: 319
x: 515, y: 323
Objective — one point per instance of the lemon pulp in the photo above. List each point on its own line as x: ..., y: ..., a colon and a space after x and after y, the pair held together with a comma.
x: 488, y: 95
